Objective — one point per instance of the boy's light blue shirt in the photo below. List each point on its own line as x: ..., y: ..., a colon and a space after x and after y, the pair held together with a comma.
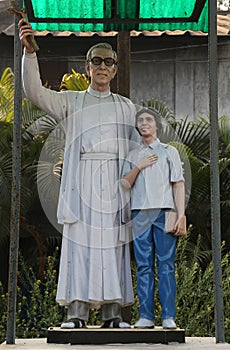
x: 153, y: 186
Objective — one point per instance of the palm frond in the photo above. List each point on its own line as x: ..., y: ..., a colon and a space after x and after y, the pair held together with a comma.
x: 7, y: 95
x: 34, y: 120
x: 201, y: 253
x: 194, y: 253
x: 200, y: 184
x: 75, y: 81
x: 4, y: 227
x: 225, y: 204
x: 162, y: 109
x: 224, y: 164
x: 53, y: 149
x: 30, y: 112
x: 48, y: 180
x: 195, y: 136
x: 5, y: 178
x: 224, y: 131
x: 6, y: 130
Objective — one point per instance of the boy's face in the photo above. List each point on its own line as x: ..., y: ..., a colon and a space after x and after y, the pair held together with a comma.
x: 146, y: 125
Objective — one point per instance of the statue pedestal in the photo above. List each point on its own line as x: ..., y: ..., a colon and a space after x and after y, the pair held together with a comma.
x: 95, y: 335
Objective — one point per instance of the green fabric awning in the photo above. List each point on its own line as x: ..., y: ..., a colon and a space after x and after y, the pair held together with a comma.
x: 107, y: 15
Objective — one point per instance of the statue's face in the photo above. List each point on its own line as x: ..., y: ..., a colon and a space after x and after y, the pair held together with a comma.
x: 101, y: 72
x: 146, y: 125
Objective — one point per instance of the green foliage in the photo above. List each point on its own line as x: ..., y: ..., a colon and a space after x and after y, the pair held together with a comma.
x: 3, y: 313
x: 195, y: 294
x: 195, y: 303
x: 75, y: 81
x: 7, y: 95
x: 36, y: 306
x: 36, y: 125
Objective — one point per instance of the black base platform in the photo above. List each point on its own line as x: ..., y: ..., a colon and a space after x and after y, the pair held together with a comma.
x: 95, y: 335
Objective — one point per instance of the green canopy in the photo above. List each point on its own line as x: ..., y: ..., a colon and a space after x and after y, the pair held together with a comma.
x: 107, y: 15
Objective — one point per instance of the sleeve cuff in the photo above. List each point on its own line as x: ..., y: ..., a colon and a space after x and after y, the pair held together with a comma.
x: 30, y: 55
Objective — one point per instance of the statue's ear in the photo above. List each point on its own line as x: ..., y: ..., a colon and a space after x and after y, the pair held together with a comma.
x: 114, y: 70
x: 87, y: 68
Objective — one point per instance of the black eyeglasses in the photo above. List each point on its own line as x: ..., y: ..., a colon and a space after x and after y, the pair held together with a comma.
x: 97, y: 61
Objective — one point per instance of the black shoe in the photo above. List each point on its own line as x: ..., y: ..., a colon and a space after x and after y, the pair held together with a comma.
x: 115, y: 323
x: 73, y: 323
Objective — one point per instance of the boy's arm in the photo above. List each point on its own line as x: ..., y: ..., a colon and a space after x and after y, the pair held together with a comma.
x: 179, y: 199
x: 128, y: 179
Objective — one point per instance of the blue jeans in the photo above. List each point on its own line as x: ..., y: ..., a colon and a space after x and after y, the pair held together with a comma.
x: 151, y: 240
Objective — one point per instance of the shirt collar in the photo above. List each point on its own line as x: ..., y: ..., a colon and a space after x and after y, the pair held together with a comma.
x: 96, y: 93
x: 154, y: 144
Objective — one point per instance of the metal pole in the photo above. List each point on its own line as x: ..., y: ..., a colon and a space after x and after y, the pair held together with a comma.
x: 215, y: 186
x: 123, y: 88
x: 15, y: 194
x: 123, y: 74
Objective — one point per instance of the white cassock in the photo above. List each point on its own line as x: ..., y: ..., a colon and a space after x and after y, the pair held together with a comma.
x: 94, y: 264
x: 95, y: 260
